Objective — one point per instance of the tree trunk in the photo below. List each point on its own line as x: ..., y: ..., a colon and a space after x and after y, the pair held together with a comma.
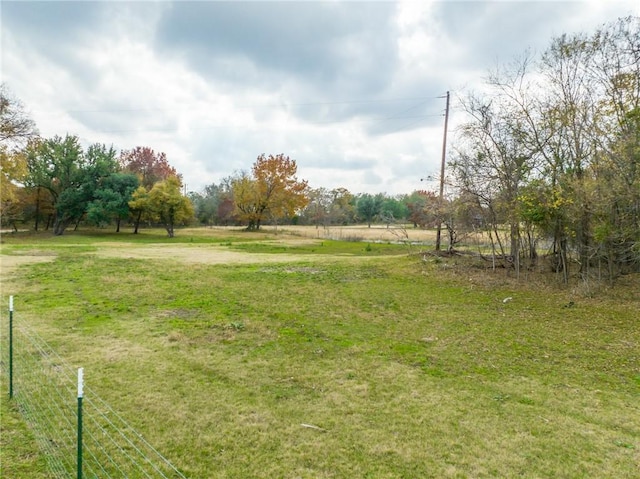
x: 514, y: 240
x: 584, y: 242
x: 515, y: 247
x: 136, y: 223
x: 59, y: 225
x: 37, y: 207
x: 560, y: 249
x: 533, y: 253
x: 452, y: 239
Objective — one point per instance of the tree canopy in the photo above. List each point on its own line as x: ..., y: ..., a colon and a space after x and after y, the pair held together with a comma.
x: 168, y: 205
x: 273, y: 190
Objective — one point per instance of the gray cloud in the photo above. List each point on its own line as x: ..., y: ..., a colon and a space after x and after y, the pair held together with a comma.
x: 58, y: 22
x: 495, y: 32
x: 348, y: 89
x: 52, y: 29
x: 305, y: 50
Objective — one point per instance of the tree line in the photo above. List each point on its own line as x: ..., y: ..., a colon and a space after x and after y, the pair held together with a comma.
x: 244, y: 199
x: 55, y: 183
x: 552, y: 150
x: 547, y: 163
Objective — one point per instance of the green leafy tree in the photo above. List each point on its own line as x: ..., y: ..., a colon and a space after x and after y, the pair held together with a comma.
x: 55, y: 166
x: 70, y: 175
x: 592, y: 90
x: 111, y: 199
x: 168, y: 205
x: 205, y: 207
x: 140, y: 207
x: 368, y: 207
x: 393, y: 209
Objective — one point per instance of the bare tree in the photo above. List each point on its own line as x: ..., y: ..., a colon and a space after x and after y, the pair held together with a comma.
x: 16, y: 128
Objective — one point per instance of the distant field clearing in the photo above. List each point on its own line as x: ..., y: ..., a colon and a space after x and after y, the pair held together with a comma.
x: 360, y: 232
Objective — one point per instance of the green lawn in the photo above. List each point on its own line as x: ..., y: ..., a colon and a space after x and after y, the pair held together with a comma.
x: 405, y: 368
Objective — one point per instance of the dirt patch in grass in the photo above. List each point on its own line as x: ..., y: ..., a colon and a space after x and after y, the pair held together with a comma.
x: 195, y: 254
x: 8, y: 264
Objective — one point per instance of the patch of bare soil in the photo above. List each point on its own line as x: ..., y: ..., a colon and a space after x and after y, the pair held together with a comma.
x: 8, y: 264
x: 193, y: 254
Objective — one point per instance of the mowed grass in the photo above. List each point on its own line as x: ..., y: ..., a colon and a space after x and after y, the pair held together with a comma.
x: 405, y: 368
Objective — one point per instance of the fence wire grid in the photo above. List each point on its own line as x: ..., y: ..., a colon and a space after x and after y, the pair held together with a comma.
x: 45, y: 391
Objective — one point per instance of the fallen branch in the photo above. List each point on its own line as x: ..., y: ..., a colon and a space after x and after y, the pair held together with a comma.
x: 311, y: 426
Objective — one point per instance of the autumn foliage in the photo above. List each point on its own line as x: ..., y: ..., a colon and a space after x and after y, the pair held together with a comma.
x: 149, y: 166
x: 272, y: 191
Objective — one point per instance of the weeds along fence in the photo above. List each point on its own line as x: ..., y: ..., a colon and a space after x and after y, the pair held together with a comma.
x: 79, y: 434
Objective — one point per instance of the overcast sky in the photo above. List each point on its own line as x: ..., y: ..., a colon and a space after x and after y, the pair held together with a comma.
x: 352, y: 90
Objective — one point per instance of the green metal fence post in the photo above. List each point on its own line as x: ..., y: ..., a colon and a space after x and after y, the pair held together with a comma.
x: 10, y: 347
x: 80, y: 394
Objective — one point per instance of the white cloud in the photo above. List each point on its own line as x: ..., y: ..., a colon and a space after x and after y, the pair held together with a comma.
x: 351, y: 90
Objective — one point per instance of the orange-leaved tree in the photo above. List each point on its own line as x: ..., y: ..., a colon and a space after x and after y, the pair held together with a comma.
x: 149, y: 166
x: 273, y: 191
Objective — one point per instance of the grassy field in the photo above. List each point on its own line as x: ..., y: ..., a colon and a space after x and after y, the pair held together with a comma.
x: 222, y: 348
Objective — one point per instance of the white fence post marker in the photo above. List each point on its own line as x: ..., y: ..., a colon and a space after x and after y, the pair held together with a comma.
x: 80, y: 393
x: 80, y: 382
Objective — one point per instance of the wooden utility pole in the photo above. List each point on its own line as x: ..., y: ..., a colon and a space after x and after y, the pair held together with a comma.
x: 444, y: 155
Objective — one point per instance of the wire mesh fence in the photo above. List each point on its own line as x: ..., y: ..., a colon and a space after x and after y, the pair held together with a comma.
x: 44, y: 390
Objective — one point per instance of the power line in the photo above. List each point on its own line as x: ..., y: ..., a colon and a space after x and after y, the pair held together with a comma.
x: 242, y: 106
x: 337, y: 118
